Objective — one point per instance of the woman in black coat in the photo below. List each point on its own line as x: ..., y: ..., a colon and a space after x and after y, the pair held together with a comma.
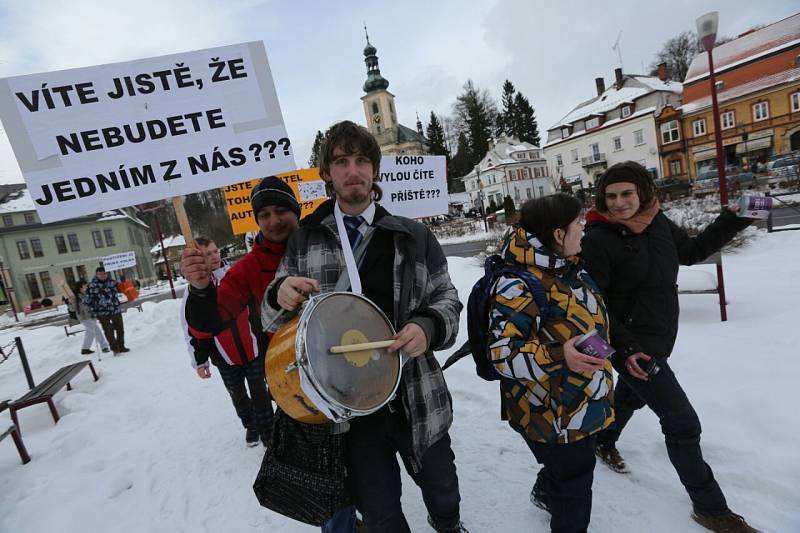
x: 633, y: 251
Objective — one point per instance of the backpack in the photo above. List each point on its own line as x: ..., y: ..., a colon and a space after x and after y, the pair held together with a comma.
x: 478, y: 313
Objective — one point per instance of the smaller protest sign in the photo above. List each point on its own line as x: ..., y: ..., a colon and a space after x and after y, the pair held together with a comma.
x: 414, y: 186
x: 119, y: 261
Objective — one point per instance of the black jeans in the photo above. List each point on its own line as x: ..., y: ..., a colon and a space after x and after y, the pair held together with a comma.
x: 566, y: 479
x: 681, y: 428
x: 373, y: 443
x: 114, y: 330
x: 255, y: 411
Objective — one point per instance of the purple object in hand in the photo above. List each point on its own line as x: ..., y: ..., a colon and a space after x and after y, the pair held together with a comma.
x: 593, y: 344
x: 754, y: 206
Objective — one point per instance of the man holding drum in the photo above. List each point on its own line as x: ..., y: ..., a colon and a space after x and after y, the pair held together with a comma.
x: 401, y: 269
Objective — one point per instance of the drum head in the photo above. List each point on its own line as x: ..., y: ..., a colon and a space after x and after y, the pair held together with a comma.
x: 356, y: 383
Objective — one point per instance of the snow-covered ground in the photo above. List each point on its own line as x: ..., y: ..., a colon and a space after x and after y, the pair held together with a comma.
x: 152, y: 448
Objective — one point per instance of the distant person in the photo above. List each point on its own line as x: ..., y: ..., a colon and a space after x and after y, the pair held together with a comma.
x: 236, y: 356
x: 102, y: 301
x: 633, y: 251
x: 554, y: 396
x: 91, y: 329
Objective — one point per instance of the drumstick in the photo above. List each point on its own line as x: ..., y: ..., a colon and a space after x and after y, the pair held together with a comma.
x: 345, y: 348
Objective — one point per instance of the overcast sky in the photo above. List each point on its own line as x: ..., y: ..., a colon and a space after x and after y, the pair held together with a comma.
x: 551, y: 51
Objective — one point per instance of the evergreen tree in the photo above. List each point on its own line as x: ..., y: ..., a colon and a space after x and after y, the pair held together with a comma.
x: 525, y: 126
x: 476, y: 114
x: 459, y: 166
x: 509, y: 208
x: 505, y: 119
x: 435, y: 134
x: 313, y: 161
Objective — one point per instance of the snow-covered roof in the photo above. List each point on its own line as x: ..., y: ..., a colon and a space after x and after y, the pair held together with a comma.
x: 767, y: 40
x: 787, y: 76
x: 169, y: 242
x: 500, y: 154
x: 613, y: 97
x: 18, y: 202
x: 605, y: 125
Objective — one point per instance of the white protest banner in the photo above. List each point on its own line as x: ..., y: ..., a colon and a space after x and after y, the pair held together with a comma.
x: 119, y: 261
x: 414, y: 186
x: 97, y: 138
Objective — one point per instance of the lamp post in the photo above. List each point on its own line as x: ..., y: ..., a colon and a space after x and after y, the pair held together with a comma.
x: 154, y: 211
x: 707, y: 33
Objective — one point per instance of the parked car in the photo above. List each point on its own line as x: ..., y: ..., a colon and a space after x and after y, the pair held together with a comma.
x: 777, y: 157
x: 708, y: 182
x: 784, y: 170
x: 671, y: 188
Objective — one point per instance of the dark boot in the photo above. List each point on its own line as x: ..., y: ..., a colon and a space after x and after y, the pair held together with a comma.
x: 609, y: 454
x: 457, y: 528
x: 86, y: 352
x: 251, y: 437
x: 727, y: 523
x: 539, y: 497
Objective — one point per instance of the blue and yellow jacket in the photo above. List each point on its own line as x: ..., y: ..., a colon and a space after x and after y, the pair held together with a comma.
x: 542, y: 397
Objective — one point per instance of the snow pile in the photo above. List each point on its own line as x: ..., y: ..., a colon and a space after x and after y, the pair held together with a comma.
x: 152, y: 448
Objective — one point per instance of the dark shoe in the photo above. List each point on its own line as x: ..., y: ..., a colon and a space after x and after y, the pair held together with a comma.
x: 86, y: 352
x: 251, y: 437
x: 124, y: 350
x: 539, y: 497
x: 727, y: 523
x: 609, y: 454
x: 104, y: 350
x: 265, y: 440
x: 458, y: 528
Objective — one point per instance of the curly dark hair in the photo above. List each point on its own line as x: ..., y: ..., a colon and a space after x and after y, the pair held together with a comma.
x: 626, y: 172
x: 351, y: 139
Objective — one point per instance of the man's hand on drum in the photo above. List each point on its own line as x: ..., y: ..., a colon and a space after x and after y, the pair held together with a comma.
x: 295, y: 290
x: 194, y: 268
x: 410, y: 340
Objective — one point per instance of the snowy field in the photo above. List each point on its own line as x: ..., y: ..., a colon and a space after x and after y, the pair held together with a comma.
x: 152, y: 448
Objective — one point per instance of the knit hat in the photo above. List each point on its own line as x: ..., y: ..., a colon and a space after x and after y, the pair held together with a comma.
x: 273, y: 191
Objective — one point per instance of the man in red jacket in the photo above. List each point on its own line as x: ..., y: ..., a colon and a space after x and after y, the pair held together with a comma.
x: 214, y: 309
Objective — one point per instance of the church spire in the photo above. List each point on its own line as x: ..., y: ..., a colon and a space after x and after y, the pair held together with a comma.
x: 374, y: 79
x: 419, y: 125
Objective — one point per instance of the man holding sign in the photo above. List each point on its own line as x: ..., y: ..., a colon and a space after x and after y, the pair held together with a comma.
x: 404, y: 272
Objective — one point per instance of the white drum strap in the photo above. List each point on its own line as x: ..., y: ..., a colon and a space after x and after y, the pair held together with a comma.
x: 350, y: 261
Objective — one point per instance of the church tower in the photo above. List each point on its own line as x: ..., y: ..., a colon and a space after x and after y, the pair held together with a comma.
x: 380, y: 113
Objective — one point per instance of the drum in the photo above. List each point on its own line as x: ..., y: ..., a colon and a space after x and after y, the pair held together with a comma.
x: 313, y: 385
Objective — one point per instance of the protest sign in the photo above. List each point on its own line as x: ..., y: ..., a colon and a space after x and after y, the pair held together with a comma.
x: 414, y: 186
x: 119, y: 261
x: 307, y: 186
x: 114, y: 135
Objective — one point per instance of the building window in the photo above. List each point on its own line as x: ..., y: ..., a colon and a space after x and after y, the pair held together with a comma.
x: 81, y: 273
x: 564, y: 133
x: 528, y: 193
x: 47, y: 284
x: 8, y: 220
x: 33, y: 286
x: 541, y: 191
x: 728, y: 120
x: 74, y: 245
x: 638, y: 137
x: 109, y: 233
x: 534, y: 155
x: 36, y: 246
x: 574, y: 154
x: 516, y: 194
x: 374, y: 107
x: 699, y: 127
x: 626, y: 111
x: 670, y: 132
x: 760, y: 111
x: 22, y: 248
x: 29, y: 218
x: 97, y: 237
x: 69, y: 275
x: 525, y: 173
x: 675, y: 167
x: 559, y: 161
x: 592, y: 123
x: 795, y: 102
x: 61, y: 244
x: 617, y: 143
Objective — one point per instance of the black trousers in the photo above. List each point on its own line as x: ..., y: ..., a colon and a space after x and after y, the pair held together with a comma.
x: 373, y: 443
x: 114, y: 330
x: 255, y: 411
x: 566, y: 479
x: 680, y: 426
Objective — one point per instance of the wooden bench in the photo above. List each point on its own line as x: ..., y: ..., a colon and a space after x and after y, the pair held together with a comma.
x: 44, y: 391
x: 13, y: 430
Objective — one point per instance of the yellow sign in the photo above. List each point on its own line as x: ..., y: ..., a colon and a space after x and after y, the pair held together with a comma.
x: 306, y: 185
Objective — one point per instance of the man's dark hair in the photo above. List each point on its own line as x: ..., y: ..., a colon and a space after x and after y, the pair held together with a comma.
x: 202, y: 240
x: 351, y: 139
x: 626, y: 172
x: 542, y: 216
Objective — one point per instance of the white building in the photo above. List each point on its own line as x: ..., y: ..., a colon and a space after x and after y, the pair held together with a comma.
x: 510, y: 168
x: 616, y: 125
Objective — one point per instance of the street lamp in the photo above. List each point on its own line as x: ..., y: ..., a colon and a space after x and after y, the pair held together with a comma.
x: 707, y: 33
x: 154, y: 210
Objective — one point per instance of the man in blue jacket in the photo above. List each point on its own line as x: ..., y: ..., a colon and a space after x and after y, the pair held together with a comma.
x: 102, y: 300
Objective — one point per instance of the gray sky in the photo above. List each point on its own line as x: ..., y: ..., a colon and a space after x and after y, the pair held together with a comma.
x: 551, y: 51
